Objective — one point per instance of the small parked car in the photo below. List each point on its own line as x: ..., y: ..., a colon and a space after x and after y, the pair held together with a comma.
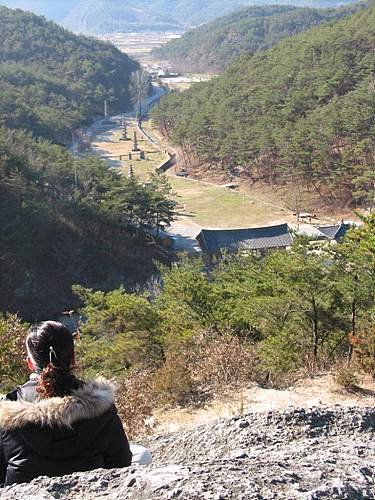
x: 182, y: 173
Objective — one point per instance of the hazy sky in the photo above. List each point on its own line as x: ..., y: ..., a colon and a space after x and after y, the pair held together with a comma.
x: 53, y: 9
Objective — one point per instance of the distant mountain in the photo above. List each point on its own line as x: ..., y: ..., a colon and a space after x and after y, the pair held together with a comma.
x: 213, y: 46
x: 106, y: 16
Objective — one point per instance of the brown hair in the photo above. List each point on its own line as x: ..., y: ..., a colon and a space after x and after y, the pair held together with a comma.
x: 50, y: 346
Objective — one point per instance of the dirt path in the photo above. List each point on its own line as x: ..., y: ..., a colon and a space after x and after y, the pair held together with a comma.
x: 318, y: 391
x: 106, y: 142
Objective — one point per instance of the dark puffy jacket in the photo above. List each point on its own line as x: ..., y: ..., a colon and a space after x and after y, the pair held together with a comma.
x: 58, y: 436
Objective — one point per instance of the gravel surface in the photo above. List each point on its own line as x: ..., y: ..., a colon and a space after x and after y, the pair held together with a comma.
x: 318, y: 453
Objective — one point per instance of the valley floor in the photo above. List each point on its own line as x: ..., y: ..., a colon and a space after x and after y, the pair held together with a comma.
x: 203, y: 204
x: 204, y: 201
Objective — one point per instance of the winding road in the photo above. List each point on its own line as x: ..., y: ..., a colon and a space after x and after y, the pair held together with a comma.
x: 183, y: 230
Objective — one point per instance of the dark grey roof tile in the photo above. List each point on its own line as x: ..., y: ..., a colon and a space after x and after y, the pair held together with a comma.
x: 258, y: 238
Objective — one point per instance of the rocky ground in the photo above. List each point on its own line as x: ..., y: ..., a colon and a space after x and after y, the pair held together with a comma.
x: 318, y: 453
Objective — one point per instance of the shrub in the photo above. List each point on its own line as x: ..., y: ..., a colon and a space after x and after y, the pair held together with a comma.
x: 173, y: 383
x: 364, y: 347
x: 281, y: 353
x: 13, y: 368
x: 346, y: 377
x: 135, y: 403
x: 223, y: 360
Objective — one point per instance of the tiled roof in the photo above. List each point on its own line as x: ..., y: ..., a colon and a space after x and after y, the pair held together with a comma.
x: 336, y: 231
x: 258, y: 238
x: 311, y: 231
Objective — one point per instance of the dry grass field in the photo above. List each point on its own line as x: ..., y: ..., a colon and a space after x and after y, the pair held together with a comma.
x: 107, y: 144
x: 207, y: 204
x: 215, y: 206
x: 318, y: 391
x: 139, y: 45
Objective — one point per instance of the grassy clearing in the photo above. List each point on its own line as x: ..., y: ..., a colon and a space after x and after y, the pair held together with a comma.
x: 215, y: 206
x: 108, y: 143
x: 208, y: 205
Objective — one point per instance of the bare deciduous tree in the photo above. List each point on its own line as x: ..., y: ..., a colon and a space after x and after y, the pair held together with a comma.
x: 139, y: 84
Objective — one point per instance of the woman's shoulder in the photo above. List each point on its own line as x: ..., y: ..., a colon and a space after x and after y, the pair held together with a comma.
x: 92, y: 399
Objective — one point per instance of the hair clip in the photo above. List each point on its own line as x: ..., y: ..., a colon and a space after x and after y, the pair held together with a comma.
x: 51, y: 352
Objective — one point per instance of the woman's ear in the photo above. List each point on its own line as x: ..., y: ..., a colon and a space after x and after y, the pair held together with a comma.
x: 30, y: 364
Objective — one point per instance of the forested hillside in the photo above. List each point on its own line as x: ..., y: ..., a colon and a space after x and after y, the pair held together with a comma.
x: 302, y: 111
x: 53, y: 81
x: 105, y: 16
x: 212, y: 47
x: 64, y: 220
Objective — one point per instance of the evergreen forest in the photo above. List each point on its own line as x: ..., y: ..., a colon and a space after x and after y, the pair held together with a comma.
x: 65, y: 220
x: 301, y: 112
x: 213, y: 47
x: 53, y: 82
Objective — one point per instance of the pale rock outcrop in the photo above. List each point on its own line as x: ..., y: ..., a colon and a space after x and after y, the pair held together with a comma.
x: 320, y: 453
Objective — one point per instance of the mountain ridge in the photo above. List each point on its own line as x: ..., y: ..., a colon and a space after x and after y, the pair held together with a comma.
x: 98, y: 17
x: 304, y: 107
x: 213, y: 46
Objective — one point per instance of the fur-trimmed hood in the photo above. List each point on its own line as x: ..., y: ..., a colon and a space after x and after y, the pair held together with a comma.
x: 91, y: 401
